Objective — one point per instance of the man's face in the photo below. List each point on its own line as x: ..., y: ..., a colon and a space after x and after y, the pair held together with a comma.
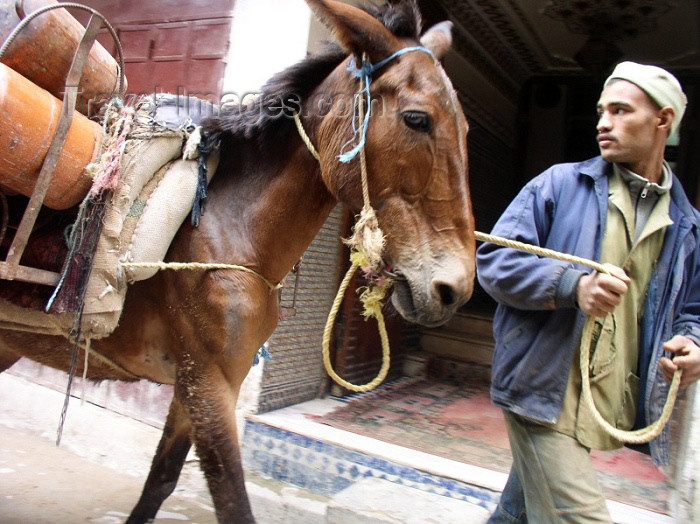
x: 627, y: 124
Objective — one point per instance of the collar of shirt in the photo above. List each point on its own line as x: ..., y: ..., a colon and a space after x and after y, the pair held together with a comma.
x: 641, y: 186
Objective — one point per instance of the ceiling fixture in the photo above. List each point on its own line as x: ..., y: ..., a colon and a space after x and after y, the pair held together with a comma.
x: 606, y: 22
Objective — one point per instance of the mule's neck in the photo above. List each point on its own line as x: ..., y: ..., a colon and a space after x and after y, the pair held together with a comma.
x: 306, y: 206
x: 273, y: 212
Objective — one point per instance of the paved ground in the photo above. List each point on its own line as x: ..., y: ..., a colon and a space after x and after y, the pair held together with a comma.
x: 44, y: 484
x: 97, y: 473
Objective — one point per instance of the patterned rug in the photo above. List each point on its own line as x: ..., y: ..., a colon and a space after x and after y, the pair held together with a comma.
x: 453, y: 417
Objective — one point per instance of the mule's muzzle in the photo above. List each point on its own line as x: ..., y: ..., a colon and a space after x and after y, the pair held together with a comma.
x: 430, y: 303
x: 452, y: 294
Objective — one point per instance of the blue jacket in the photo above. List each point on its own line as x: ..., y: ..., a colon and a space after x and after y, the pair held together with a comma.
x: 537, y: 326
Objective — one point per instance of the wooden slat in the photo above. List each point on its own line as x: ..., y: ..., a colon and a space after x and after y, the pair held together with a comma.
x: 465, y: 337
x: 9, y: 271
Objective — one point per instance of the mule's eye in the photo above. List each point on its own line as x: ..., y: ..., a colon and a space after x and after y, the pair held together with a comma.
x: 418, y: 120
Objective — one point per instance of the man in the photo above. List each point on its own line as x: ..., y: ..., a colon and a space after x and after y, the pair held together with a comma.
x: 624, y: 208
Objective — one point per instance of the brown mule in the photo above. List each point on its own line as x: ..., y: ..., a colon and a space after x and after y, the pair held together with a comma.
x: 269, y: 197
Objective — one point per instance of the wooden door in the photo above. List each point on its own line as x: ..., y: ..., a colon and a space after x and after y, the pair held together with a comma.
x: 171, y: 46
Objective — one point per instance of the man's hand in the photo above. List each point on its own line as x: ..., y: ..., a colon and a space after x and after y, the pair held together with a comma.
x: 686, y: 357
x: 598, y: 294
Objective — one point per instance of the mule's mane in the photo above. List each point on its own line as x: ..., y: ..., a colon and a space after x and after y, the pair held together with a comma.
x: 268, y: 118
x: 402, y: 18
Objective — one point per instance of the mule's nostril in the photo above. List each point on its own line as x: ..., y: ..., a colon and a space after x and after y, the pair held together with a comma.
x: 448, y: 297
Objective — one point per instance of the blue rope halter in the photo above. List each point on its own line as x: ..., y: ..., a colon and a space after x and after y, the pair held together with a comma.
x: 365, y: 72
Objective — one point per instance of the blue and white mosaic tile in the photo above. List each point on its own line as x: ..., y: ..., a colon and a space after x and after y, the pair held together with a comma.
x: 328, y: 468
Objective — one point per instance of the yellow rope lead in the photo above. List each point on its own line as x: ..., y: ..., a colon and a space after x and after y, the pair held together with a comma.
x: 366, y: 247
x: 329, y: 329
x: 305, y: 138
x: 639, y: 436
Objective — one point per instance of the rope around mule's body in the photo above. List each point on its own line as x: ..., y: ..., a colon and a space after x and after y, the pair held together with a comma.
x: 199, y: 266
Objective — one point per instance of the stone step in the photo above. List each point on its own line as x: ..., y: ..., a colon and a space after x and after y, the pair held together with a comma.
x: 374, y: 501
x: 364, y: 480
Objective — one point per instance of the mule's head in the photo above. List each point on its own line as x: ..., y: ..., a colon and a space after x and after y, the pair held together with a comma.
x: 416, y: 151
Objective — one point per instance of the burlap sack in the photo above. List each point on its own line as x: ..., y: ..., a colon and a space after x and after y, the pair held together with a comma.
x: 107, y: 287
x: 155, y: 193
x: 158, y: 213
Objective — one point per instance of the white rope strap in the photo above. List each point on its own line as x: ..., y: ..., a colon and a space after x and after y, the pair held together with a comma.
x: 199, y: 266
x: 639, y: 436
x: 540, y: 251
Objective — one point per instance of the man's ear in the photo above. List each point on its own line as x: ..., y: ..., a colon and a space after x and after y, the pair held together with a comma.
x: 666, y: 117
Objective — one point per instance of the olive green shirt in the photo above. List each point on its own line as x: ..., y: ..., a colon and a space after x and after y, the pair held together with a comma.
x: 615, y: 346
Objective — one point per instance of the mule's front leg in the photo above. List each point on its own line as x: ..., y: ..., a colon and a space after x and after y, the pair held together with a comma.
x: 223, y: 318
x: 211, y: 402
x: 165, y: 470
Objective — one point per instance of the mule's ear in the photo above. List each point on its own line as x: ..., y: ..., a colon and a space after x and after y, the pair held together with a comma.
x: 438, y: 39
x: 356, y: 31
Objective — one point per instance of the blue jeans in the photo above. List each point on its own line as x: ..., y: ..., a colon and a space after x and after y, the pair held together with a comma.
x: 552, y: 479
x: 511, y: 507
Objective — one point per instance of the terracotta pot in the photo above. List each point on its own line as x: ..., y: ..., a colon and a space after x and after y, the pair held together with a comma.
x: 43, y: 52
x: 28, y: 119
